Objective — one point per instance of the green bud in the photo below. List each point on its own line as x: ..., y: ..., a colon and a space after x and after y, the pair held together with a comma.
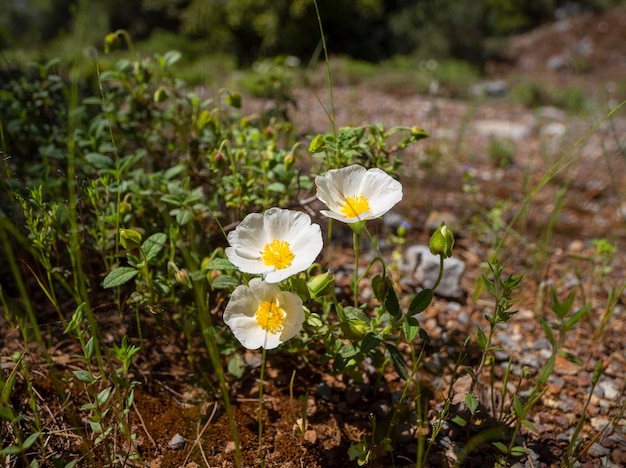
x: 354, y: 329
x: 130, y: 239
x: 160, y: 95
x: 233, y: 100
x: 317, y: 144
x: 288, y: 160
x: 321, y: 285
x: 418, y: 133
x: 442, y: 241
x: 111, y: 42
x: 125, y: 207
x: 597, y: 372
x: 183, y: 278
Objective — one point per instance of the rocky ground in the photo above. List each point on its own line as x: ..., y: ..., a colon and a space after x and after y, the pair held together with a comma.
x: 457, y: 175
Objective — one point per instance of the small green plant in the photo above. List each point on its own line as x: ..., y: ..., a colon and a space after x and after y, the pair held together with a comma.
x: 501, y: 152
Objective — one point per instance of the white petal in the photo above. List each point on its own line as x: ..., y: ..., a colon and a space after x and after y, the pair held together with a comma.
x: 337, y: 184
x: 382, y: 191
x: 292, y: 305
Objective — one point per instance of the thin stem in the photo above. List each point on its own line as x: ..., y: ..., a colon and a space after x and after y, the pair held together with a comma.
x: 355, y: 278
x: 440, y: 276
x: 328, y: 72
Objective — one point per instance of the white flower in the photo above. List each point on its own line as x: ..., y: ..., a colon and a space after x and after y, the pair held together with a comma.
x: 261, y: 314
x: 276, y: 244
x: 354, y: 194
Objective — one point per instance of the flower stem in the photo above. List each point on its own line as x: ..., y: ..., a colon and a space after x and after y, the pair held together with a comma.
x: 355, y: 278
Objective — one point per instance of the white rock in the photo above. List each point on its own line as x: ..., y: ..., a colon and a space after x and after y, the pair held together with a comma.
x: 502, y: 129
x: 177, y: 442
x: 420, y: 266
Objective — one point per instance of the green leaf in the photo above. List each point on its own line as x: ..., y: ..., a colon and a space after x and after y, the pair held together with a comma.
x: 224, y: 282
x: 153, y: 245
x: 503, y: 448
x: 352, y: 313
x: 171, y: 57
x: 391, y: 303
x: 236, y: 365
x: 6, y: 413
x: 103, y: 395
x: 570, y: 357
x: 28, y: 443
x: 370, y: 341
x: 576, y: 316
x: 348, y: 351
x: 99, y: 161
x: 277, y: 187
x: 459, y: 421
x: 220, y: 264
x: 561, y: 309
x: 83, y: 376
x: 397, y: 360
x: 472, y: 402
x: 10, y: 450
x: 518, y: 407
x: 119, y: 276
x: 528, y: 425
x: 411, y: 328
x: 420, y: 301
x: 518, y: 451
x: 547, y: 331
x: 379, y: 287
x: 481, y: 338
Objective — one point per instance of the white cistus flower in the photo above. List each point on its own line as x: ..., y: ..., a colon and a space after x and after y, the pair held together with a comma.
x: 276, y: 244
x: 354, y: 194
x: 262, y: 315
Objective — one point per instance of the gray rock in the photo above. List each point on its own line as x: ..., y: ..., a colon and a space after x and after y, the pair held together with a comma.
x: 421, y: 267
x: 502, y: 129
x: 177, y: 442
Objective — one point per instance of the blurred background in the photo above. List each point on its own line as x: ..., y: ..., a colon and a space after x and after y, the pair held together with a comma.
x: 240, y: 32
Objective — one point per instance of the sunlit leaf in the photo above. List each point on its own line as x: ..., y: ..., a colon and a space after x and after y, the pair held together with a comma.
x: 119, y: 276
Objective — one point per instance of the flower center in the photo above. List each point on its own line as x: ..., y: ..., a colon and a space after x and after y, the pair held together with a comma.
x: 277, y: 254
x: 355, y: 205
x: 270, y: 317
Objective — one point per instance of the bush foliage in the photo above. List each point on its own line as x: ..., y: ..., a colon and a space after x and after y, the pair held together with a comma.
x: 364, y: 29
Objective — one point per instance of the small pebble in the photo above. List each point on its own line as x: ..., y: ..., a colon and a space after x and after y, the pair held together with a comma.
x: 177, y: 442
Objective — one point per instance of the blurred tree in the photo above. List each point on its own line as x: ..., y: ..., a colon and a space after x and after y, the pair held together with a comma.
x: 250, y: 29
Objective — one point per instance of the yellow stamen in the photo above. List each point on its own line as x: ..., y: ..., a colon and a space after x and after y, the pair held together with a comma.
x: 277, y: 254
x: 270, y: 317
x: 355, y: 206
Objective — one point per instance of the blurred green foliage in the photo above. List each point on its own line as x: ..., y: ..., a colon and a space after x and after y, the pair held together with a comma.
x: 370, y: 30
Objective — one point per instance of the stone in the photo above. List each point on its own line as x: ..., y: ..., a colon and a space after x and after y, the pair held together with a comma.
x: 177, y: 442
x: 502, y: 129
x: 420, y: 267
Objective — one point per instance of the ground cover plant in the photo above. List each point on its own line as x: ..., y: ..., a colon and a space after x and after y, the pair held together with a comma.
x: 187, y: 284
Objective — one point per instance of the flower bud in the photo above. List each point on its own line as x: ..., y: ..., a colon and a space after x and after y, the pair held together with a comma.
x: 317, y: 144
x: 442, y: 241
x: 111, y: 42
x: 288, y: 160
x: 160, y: 95
x: 130, y: 239
x: 321, y: 285
x: 183, y: 278
x: 233, y: 100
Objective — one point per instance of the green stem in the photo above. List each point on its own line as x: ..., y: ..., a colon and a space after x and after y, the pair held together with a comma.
x: 355, y: 278
x: 440, y: 276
